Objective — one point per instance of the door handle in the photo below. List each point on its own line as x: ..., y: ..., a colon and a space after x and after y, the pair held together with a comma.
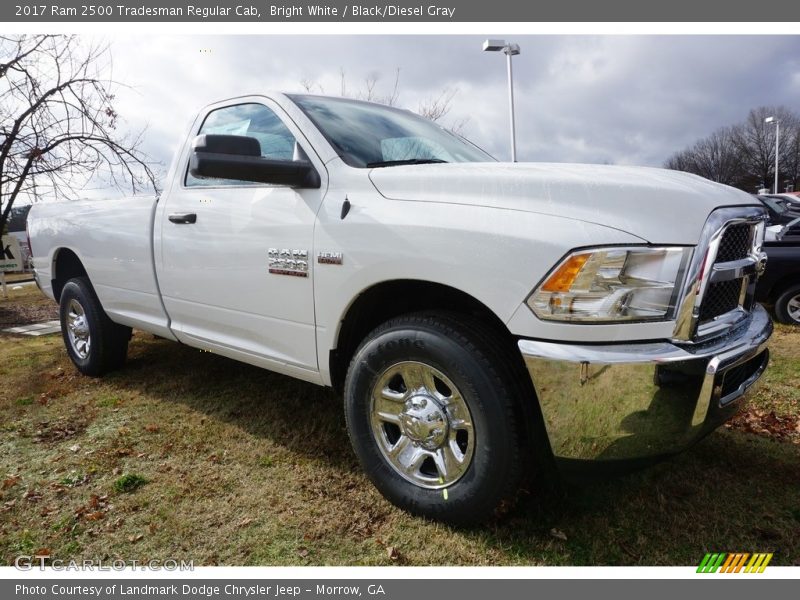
x: 183, y: 218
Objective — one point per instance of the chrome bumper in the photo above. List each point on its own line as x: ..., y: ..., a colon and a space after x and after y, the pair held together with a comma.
x: 637, y: 401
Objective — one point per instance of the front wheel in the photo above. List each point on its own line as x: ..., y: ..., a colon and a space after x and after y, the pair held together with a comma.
x: 95, y: 343
x: 787, y: 306
x: 432, y: 418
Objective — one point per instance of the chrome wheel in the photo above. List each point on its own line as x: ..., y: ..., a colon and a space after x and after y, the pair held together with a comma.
x: 78, y: 329
x: 793, y: 308
x: 422, y: 424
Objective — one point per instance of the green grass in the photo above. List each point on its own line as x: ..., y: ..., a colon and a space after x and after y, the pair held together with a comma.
x: 129, y: 483
x: 246, y: 467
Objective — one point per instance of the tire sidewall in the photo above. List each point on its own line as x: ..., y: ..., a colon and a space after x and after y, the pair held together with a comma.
x: 782, y: 305
x: 479, y: 489
x: 76, y: 289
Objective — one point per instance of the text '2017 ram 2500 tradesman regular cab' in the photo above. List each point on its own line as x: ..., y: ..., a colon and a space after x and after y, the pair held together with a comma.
x: 478, y: 316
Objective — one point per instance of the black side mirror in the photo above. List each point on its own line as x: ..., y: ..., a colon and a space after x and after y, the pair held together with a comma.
x: 239, y: 157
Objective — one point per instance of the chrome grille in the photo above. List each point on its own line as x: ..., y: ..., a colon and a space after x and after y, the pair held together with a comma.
x: 730, y: 288
x: 721, y: 277
x: 736, y: 243
x: 720, y: 298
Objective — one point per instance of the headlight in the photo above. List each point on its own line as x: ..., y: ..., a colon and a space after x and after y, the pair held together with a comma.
x: 612, y: 284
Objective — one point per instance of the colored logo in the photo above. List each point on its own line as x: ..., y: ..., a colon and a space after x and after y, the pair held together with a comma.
x: 739, y: 562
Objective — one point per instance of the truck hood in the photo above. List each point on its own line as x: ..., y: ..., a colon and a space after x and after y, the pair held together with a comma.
x: 657, y: 205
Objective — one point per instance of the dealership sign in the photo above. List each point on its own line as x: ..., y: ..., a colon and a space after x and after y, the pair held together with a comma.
x: 10, y: 254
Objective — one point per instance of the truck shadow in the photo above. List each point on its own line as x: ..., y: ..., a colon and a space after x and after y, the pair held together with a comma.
x: 262, y: 403
x: 730, y: 488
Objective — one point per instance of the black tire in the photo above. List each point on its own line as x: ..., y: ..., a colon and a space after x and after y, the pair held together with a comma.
x: 467, y: 354
x: 108, y: 342
x: 786, y: 306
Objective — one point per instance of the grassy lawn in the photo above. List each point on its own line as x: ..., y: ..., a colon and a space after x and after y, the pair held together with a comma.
x: 15, y: 277
x: 187, y: 455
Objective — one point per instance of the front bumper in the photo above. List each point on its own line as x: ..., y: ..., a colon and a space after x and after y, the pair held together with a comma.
x: 643, y: 400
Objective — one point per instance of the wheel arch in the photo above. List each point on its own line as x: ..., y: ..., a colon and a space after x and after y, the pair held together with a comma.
x: 66, y: 264
x: 391, y: 298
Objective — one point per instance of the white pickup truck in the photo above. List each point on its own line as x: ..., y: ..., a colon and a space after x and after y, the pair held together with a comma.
x: 479, y: 317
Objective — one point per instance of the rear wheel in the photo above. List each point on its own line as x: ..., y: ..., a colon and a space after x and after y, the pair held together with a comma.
x: 95, y: 343
x: 432, y: 417
x: 787, y: 306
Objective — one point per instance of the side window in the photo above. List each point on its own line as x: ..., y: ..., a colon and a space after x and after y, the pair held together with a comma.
x: 253, y: 120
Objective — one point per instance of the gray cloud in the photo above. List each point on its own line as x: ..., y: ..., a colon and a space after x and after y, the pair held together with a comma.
x: 618, y: 99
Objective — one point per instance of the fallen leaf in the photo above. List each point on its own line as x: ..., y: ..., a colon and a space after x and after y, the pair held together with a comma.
x: 75, y: 448
x: 32, y: 496
x: 95, y: 516
x: 392, y: 553
x: 10, y: 481
x: 135, y: 538
x: 152, y: 428
x: 244, y: 522
x: 557, y: 533
x: 302, y: 552
x: 42, y: 552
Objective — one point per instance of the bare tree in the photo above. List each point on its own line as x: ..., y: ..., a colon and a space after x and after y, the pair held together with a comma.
x: 715, y: 157
x: 58, y: 125
x: 755, y: 141
x: 436, y: 107
x: 310, y: 84
x: 370, y: 91
x: 370, y: 81
x: 744, y: 155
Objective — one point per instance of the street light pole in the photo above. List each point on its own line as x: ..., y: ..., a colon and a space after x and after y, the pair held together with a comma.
x: 777, y: 147
x: 509, y: 54
x: 509, y: 50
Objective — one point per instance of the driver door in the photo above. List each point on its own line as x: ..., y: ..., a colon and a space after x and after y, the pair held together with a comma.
x: 213, y: 264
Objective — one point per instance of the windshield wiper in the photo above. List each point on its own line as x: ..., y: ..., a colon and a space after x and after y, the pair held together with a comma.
x: 409, y: 161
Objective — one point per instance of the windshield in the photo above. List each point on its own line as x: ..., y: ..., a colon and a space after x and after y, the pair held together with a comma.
x: 365, y: 134
x: 773, y: 204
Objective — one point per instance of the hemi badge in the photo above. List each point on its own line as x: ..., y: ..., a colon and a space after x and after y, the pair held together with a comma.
x: 329, y: 258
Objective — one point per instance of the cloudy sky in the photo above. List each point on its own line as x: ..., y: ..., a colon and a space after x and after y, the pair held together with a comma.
x: 615, y: 99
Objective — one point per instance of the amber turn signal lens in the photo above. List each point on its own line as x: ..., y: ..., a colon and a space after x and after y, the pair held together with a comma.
x: 562, y: 279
